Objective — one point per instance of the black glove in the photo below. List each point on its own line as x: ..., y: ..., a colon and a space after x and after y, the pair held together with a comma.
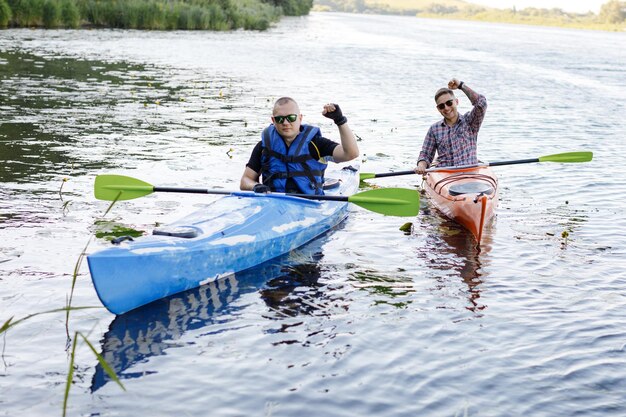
x: 261, y: 188
x: 336, y: 115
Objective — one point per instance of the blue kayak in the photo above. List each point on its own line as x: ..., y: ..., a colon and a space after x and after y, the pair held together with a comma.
x: 229, y: 235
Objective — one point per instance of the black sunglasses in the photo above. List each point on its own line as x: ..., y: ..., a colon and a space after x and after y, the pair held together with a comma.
x: 448, y: 103
x: 290, y: 118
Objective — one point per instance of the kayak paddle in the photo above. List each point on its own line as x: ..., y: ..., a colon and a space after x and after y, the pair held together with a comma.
x: 401, y: 202
x: 559, y: 157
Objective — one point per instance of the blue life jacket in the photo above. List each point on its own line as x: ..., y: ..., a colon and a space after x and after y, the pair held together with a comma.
x: 280, y: 163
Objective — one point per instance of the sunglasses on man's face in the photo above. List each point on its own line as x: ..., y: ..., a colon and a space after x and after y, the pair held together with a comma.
x: 290, y: 118
x: 448, y: 103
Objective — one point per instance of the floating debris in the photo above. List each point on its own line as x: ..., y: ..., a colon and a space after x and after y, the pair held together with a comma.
x: 407, y: 228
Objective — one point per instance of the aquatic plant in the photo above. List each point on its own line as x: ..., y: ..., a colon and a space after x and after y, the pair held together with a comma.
x: 5, y: 14
x: 293, y: 7
x: 149, y: 14
x: 70, y: 15
x: 51, y: 14
x: 70, y: 373
x: 27, y: 12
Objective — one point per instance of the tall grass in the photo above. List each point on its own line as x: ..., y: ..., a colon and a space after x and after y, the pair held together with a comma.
x: 51, y: 14
x: 149, y: 14
x: 5, y: 14
x: 293, y: 7
x: 70, y: 15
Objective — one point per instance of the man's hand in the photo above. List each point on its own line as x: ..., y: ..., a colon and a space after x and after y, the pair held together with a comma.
x: 332, y: 111
x: 261, y: 189
x: 421, y: 168
x: 453, y: 84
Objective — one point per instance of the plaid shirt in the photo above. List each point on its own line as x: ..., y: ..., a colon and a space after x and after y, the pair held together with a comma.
x: 455, y: 145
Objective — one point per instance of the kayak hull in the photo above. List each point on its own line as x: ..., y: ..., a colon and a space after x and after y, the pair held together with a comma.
x: 229, y: 235
x: 468, y: 196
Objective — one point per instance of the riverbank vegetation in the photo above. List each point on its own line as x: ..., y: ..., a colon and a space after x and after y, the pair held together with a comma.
x: 612, y: 15
x: 149, y: 14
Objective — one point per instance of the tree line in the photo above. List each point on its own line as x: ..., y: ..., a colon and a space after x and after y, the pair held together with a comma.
x: 149, y: 14
x: 612, y: 14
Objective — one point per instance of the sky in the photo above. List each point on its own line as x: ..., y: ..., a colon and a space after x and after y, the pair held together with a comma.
x: 572, y: 6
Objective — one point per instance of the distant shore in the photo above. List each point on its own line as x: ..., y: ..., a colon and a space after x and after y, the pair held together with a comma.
x: 612, y: 16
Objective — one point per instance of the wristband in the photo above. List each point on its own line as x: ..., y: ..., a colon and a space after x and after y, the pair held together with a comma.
x: 461, y: 85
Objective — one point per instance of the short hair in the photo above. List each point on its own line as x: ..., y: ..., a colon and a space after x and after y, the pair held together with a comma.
x: 285, y: 100
x: 443, y: 91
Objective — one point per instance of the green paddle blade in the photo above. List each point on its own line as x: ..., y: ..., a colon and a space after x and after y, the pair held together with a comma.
x: 120, y: 187
x: 366, y: 176
x: 401, y: 202
x: 568, y: 157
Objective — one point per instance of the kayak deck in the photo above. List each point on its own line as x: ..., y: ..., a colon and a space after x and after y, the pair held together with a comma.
x: 468, y: 196
x: 229, y: 235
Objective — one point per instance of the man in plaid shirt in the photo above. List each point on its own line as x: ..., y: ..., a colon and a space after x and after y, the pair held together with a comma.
x: 455, y: 137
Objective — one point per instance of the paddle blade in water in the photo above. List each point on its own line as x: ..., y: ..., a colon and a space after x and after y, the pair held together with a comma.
x: 120, y: 187
x: 568, y: 157
x: 401, y: 202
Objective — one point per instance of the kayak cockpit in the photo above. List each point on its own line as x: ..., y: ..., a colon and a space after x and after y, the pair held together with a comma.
x: 474, y: 187
x: 186, y: 232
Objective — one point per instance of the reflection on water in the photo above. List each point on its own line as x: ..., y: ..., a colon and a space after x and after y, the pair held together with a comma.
x: 65, y: 116
x: 150, y: 330
x: 288, y: 285
x: 450, y: 247
x: 394, y: 290
x: 52, y: 104
x: 284, y: 293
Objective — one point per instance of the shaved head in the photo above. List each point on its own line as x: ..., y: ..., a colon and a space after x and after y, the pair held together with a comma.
x: 285, y: 100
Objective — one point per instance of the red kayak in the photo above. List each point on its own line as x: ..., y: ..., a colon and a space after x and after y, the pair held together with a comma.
x: 468, y: 196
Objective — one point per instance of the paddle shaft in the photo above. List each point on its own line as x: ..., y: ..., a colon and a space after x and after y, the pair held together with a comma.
x: 488, y: 164
x: 207, y: 191
x: 519, y: 161
x: 584, y: 156
x: 189, y: 190
x: 394, y: 174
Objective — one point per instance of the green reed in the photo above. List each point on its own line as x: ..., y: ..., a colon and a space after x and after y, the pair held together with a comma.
x: 70, y: 375
x: 5, y: 14
x: 58, y: 14
x: 70, y: 372
x: 148, y: 14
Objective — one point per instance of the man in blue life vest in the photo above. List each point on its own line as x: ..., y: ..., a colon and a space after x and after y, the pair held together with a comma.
x: 291, y: 157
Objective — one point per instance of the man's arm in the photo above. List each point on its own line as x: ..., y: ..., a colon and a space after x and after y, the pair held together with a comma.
x: 348, y: 149
x: 471, y: 94
x: 428, y: 152
x: 479, y: 102
x: 249, y: 179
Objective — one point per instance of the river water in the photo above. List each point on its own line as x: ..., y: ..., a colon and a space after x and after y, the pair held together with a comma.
x: 367, y: 320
